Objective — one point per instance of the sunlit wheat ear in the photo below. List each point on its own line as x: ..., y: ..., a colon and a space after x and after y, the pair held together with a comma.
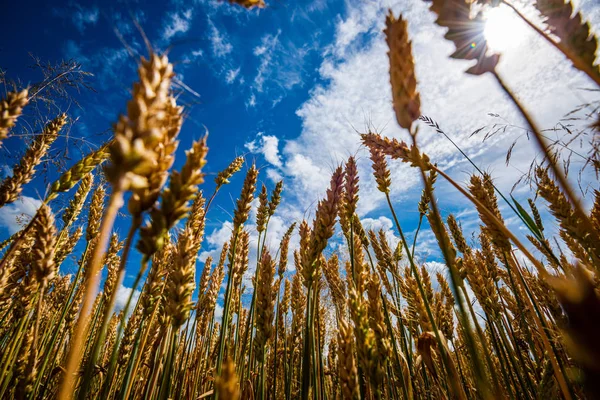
x: 143, y: 128
x: 347, y: 369
x: 536, y: 215
x: 262, y: 212
x: 395, y: 149
x: 144, y: 198
x: 23, y: 172
x: 79, y: 171
x: 111, y: 338
x: 183, y: 186
x: 572, y: 230
x: 381, y: 172
x: 457, y: 235
x: 466, y: 33
x: 207, y: 306
x: 377, y: 324
x: 265, y: 302
x: 447, y: 318
x: 275, y: 198
x: 407, y: 102
x: 95, y: 212
x: 153, y: 288
x: 350, y: 188
x: 43, y: 266
x: 112, y: 266
x: 10, y: 109
x: 227, y: 385
x: 224, y: 176
x: 481, y: 189
x: 571, y: 29
x: 180, y: 279
x: 72, y: 212
x: 128, y: 341
x: 240, y: 215
x: 283, y: 250
x: 337, y: 288
x: 365, y: 338
x: 323, y: 227
x: 67, y: 246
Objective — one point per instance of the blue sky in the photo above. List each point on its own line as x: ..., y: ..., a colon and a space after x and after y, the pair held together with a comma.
x: 290, y: 86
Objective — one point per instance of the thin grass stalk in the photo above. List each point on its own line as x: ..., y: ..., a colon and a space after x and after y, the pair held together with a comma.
x: 165, y: 386
x: 113, y: 359
x: 8, y: 357
x: 501, y: 328
x: 519, y: 372
x: 533, y: 231
x: 456, y: 284
x: 142, y: 343
x: 543, y: 273
x: 317, y: 355
x: 559, y: 371
x: 57, y: 332
x: 226, y: 306
x: 558, y: 174
x: 418, y: 280
x: 416, y: 235
x: 91, y: 288
x: 248, y: 333
x: 99, y: 340
x: 509, y: 383
x: 306, y: 377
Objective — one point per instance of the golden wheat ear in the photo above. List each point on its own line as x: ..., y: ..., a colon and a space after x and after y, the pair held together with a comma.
x: 406, y: 99
x: 23, y: 173
x: 11, y: 108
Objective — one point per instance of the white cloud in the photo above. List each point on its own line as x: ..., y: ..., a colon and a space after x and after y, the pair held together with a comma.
x: 268, y: 146
x: 219, y: 42
x: 356, y: 96
x: 274, y: 175
x: 251, y: 101
x: 177, y: 23
x: 217, y: 238
x: 232, y: 74
x: 16, y: 215
x: 84, y: 17
x: 122, y: 296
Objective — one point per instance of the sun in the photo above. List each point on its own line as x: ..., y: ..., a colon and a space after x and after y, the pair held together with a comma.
x: 503, y: 29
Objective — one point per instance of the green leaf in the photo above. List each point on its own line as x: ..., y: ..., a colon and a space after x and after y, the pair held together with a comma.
x: 528, y: 220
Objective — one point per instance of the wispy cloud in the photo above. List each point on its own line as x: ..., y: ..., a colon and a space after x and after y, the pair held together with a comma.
x: 83, y: 17
x: 177, y: 23
x: 251, y: 102
x: 219, y: 43
x: 232, y: 74
x: 356, y: 96
x: 280, y: 64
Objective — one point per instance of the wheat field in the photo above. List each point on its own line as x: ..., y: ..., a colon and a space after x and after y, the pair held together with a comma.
x: 368, y: 321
